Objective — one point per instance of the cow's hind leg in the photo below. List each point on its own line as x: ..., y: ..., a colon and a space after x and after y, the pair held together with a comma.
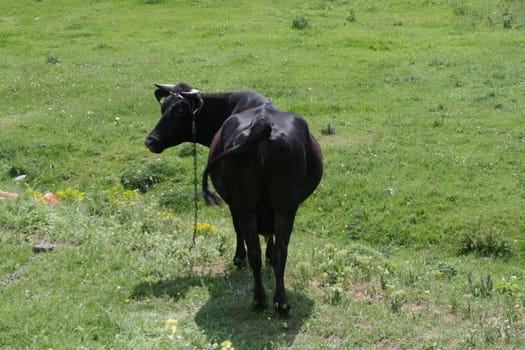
x: 248, y: 225
x: 269, y: 249
x: 283, y: 229
x: 240, y: 250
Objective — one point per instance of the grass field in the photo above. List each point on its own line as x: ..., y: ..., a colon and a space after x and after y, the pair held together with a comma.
x: 415, y: 238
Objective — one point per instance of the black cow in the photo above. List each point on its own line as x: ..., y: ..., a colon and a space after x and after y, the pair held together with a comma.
x: 263, y: 162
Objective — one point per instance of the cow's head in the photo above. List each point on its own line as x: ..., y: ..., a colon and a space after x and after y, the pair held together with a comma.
x: 179, y: 103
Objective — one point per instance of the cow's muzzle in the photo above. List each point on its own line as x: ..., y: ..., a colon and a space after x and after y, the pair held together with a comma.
x: 153, y: 144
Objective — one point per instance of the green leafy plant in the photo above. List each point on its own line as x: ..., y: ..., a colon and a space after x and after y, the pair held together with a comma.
x: 507, y: 19
x: 52, y: 59
x: 300, y: 22
x: 447, y: 270
x: 142, y: 177
x: 460, y: 8
x: 488, y: 244
x: 397, y: 299
x: 177, y: 200
x: 328, y: 130
x: 351, y: 16
x: 421, y: 150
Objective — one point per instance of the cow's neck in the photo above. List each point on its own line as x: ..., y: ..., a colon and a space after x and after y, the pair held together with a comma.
x: 215, y: 110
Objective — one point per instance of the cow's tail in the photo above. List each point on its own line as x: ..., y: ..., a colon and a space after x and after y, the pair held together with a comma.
x: 260, y: 130
x: 209, y: 197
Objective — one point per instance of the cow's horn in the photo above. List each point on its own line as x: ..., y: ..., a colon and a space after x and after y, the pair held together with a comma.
x: 166, y: 87
x: 190, y: 93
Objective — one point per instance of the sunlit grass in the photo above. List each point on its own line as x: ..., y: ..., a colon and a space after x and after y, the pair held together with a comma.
x: 414, y: 238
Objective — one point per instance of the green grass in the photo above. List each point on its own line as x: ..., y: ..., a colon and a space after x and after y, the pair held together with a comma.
x: 414, y: 239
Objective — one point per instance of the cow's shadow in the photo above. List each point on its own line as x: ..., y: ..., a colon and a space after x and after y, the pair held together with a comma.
x: 227, y: 313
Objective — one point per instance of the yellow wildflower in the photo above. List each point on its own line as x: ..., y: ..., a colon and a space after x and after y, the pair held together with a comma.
x: 129, y: 195
x: 167, y: 214
x: 172, y: 326
x: 117, y: 196
x: 205, y: 229
x: 227, y: 345
x: 35, y: 195
x: 71, y: 194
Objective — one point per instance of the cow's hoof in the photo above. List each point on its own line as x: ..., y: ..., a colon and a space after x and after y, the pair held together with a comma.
x: 283, y: 309
x: 239, y: 262
x: 259, y: 305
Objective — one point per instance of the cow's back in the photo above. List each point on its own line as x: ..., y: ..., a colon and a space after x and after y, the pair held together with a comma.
x: 279, y: 171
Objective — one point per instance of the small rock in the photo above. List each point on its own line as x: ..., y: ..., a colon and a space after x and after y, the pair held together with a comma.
x: 51, y: 198
x: 390, y: 191
x: 20, y: 177
x: 8, y: 195
x: 43, y: 247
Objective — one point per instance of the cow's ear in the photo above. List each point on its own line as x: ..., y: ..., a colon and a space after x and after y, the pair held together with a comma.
x: 163, y: 90
x: 194, y: 96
